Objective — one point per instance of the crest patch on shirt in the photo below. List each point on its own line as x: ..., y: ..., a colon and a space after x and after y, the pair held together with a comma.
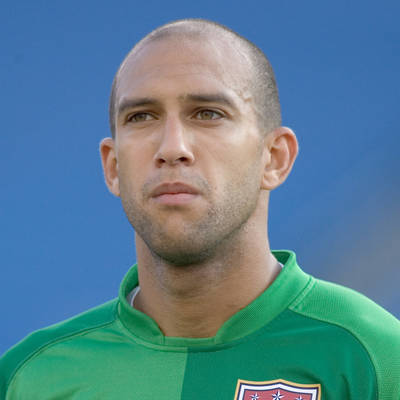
x: 276, y: 390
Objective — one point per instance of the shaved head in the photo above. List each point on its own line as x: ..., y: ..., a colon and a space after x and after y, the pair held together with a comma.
x: 260, y: 78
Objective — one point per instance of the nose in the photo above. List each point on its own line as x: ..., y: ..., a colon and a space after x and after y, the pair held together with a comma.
x: 174, y: 147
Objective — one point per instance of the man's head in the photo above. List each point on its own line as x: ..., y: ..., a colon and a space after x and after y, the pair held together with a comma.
x: 193, y: 155
x: 260, y: 76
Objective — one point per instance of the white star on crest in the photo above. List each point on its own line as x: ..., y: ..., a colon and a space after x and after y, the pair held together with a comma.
x: 255, y: 396
x: 298, y: 398
x: 277, y: 395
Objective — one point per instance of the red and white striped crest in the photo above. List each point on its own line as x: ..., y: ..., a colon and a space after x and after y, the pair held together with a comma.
x: 276, y: 390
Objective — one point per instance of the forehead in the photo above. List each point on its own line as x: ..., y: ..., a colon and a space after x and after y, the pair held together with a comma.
x: 180, y: 63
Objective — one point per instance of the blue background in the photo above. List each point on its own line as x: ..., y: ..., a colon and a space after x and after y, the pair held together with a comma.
x: 65, y: 243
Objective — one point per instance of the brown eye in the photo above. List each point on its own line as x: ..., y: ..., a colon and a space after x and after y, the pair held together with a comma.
x: 140, y: 117
x: 208, y: 115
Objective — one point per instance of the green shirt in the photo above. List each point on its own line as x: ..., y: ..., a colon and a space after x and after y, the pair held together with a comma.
x: 302, y: 339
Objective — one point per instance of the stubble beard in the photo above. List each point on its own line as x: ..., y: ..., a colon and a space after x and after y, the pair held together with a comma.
x: 200, y: 240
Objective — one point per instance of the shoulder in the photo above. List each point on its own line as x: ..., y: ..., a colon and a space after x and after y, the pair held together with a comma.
x: 372, y: 327
x: 347, y: 308
x: 20, y: 354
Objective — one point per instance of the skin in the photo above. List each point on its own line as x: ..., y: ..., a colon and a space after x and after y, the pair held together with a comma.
x: 204, y: 256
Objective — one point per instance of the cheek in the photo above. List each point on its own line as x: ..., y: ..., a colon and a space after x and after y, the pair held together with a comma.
x: 133, y: 156
x: 130, y: 172
x: 236, y: 160
x: 235, y: 178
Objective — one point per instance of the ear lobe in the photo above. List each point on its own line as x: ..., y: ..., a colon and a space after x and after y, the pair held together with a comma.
x: 281, y: 150
x: 110, y: 165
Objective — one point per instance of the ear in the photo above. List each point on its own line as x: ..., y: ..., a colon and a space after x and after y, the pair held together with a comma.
x: 280, y: 152
x: 110, y: 165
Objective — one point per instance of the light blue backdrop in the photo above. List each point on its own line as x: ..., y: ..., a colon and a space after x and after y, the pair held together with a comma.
x: 65, y: 243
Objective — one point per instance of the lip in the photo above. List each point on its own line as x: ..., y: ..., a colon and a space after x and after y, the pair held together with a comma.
x: 173, y: 188
x: 174, y: 193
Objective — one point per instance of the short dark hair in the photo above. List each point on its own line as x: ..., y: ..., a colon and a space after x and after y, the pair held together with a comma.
x: 263, y: 83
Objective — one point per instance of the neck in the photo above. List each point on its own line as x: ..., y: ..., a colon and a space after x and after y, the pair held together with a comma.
x: 195, y: 300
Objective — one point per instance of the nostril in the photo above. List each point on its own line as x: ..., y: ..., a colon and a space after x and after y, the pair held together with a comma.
x: 174, y: 158
x: 179, y: 160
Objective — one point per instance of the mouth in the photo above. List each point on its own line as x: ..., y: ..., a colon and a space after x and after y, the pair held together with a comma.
x: 175, y: 193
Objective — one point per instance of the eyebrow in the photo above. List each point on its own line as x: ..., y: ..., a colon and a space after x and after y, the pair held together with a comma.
x: 129, y: 103
x: 136, y: 102
x: 208, y: 98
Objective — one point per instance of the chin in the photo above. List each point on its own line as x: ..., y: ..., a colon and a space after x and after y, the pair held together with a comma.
x: 182, y: 253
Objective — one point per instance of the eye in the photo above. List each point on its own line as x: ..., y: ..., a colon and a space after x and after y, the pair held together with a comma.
x: 140, y: 117
x: 207, y: 115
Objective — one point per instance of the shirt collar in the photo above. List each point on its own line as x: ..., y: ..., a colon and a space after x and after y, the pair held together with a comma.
x: 275, y: 299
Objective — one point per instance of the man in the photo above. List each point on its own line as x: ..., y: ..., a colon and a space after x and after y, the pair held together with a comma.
x: 209, y: 311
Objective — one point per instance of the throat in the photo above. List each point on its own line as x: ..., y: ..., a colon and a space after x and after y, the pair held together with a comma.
x: 194, y: 301
x: 198, y: 307
x: 198, y: 316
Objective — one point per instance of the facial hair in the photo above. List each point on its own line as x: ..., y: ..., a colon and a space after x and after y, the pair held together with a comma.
x: 197, y: 239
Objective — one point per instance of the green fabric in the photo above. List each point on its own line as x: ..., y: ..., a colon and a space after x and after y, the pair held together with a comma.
x: 271, y: 303
x: 291, y: 347
x: 376, y: 330
x: 100, y: 361
x: 300, y: 330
